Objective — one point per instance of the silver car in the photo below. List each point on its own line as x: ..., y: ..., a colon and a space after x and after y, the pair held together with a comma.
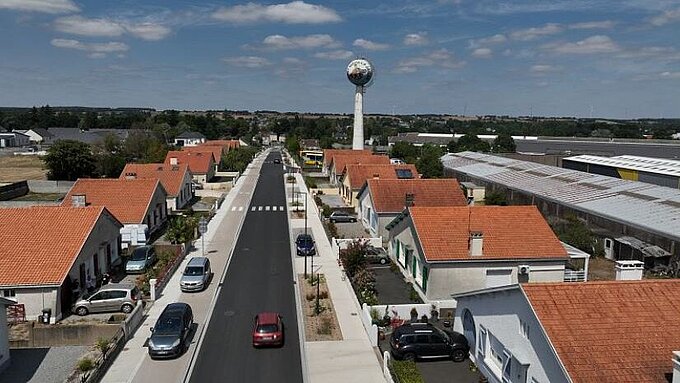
x: 111, y: 297
x: 196, y: 275
x: 140, y: 259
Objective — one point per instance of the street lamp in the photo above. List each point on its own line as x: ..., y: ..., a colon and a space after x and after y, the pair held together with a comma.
x: 305, y: 195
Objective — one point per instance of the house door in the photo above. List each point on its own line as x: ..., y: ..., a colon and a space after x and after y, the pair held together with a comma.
x: 414, y: 265
x: 95, y: 259
x: 82, y: 277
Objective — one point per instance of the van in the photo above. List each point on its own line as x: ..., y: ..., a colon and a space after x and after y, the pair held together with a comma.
x: 196, y: 275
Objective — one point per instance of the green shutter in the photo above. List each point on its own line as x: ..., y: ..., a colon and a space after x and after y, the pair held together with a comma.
x: 425, y: 274
x: 413, y: 269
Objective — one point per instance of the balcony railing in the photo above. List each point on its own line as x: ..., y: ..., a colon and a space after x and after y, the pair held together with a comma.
x: 574, y: 276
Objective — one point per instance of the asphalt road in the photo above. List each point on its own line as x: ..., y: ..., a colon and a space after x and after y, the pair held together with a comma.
x: 259, y: 278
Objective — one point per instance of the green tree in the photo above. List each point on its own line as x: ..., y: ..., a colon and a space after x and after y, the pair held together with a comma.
x: 293, y: 145
x: 181, y: 229
x: 236, y: 160
x: 429, y: 164
x: 577, y: 234
x: 69, y: 160
x: 353, y: 257
x: 405, y: 151
x: 451, y: 146
x: 495, y: 197
x: 472, y: 143
x: 504, y: 143
x: 326, y: 142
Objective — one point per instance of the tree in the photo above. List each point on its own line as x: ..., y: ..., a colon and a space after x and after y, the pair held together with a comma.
x: 495, y: 197
x: 293, y: 145
x: 503, y: 144
x: 236, y: 160
x: 404, y: 150
x: 181, y: 229
x: 429, y: 164
x: 577, y: 234
x: 353, y: 257
x: 472, y: 143
x: 326, y: 142
x: 69, y: 160
x: 451, y: 146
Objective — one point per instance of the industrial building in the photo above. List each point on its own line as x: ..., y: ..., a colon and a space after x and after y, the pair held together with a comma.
x: 638, y: 221
x: 655, y: 171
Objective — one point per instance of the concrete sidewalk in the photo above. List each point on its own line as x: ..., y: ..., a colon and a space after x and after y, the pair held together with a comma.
x: 352, y: 359
x: 133, y: 363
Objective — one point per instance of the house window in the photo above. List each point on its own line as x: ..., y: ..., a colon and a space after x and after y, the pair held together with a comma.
x: 498, y: 277
x: 524, y: 328
x: 481, y: 346
x: 469, y: 329
x: 9, y: 293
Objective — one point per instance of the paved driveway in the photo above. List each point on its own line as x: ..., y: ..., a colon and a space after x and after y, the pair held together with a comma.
x: 391, y: 287
x: 42, y: 365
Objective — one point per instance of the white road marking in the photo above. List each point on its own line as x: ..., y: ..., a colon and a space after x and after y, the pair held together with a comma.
x: 266, y: 208
x: 233, y: 208
x: 253, y: 209
x: 281, y: 208
x: 259, y: 208
x: 240, y: 208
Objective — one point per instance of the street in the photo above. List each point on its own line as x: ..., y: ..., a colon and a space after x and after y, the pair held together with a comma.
x: 259, y: 278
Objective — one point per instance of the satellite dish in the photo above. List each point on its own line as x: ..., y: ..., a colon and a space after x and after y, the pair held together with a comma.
x: 360, y: 72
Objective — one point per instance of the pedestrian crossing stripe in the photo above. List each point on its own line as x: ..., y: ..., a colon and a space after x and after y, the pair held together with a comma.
x: 281, y: 208
x: 233, y: 208
x: 259, y: 208
x: 240, y: 208
x: 253, y: 209
x: 266, y: 208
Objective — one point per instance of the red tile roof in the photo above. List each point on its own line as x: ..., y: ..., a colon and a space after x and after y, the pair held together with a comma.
x: 127, y: 200
x: 614, y: 331
x: 170, y: 176
x: 199, y: 162
x: 38, y: 245
x: 509, y: 232
x: 216, y: 150
x: 389, y: 196
x: 360, y: 173
x: 341, y: 161
x: 226, y: 145
x: 329, y: 154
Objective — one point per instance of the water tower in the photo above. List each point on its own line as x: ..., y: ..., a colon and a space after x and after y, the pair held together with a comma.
x: 360, y: 73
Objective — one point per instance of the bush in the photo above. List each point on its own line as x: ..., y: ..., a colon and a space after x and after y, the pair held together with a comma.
x: 290, y: 179
x: 332, y: 230
x: 318, y: 200
x: 310, y: 297
x: 103, y: 345
x: 85, y: 364
x: 326, y: 327
x: 311, y: 184
x: 181, y: 229
x: 406, y: 371
x: 326, y: 210
x: 352, y: 258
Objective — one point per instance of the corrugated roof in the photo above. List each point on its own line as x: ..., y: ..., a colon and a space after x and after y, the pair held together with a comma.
x: 637, y: 204
x: 643, y: 164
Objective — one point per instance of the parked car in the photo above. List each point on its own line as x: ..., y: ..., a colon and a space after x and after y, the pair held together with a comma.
x: 305, y: 245
x: 140, y: 259
x: 268, y: 330
x: 341, y: 216
x: 111, y: 297
x: 170, y: 335
x: 425, y: 341
x: 196, y: 186
x: 376, y: 255
x: 196, y: 275
x: 277, y: 160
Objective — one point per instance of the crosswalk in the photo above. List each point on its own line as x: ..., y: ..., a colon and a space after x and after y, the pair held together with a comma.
x: 263, y: 208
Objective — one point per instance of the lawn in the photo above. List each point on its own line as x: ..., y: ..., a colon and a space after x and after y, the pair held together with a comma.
x: 20, y: 168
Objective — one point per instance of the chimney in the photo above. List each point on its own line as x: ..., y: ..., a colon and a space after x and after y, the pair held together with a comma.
x: 78, y: 200
x: 376, y: 176
x: 476, y: 243
x: 629, y: 270
x: 130, y: 176
x: 173, y: 161
x: 410, y: 197
x: 676, y: 367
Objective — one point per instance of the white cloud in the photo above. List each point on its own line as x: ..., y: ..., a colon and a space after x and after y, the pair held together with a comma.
x: 482, y: 53
x: 439, y: 58
x: 78, y: 25
x: 591, y: 45
x: 665, y: 54
x: 95, y: 50
x: 665, y: 18
x: 670, y: 75
x: 419, y: 38
x: 605, y: 24
x: 370, y: 45
x: 495, y: 39
x: 296, y: 12
x: 46, y: 6
x: 335, y: 55
x: 536, y: 32
x: 252, y: 62
x: 543, y: 69
x: 299, y: 42
x: 292, y: 60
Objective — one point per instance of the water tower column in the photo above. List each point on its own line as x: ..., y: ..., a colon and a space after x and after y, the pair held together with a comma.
x: 358, y: 136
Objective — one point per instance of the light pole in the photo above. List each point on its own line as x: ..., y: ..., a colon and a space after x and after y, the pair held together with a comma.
x: 305, y: 194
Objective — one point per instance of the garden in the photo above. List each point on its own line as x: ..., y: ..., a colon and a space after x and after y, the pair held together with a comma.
x: 320, y: 321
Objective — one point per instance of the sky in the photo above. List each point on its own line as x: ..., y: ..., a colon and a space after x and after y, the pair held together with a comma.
x: 578, y: 58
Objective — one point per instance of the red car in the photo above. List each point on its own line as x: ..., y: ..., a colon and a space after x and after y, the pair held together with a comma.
x: 268, y: 330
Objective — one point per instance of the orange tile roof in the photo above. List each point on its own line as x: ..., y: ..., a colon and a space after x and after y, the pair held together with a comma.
x: 359, y: 173
x: 329, y: 154
x: 214, y: 149
x: 614, y: 331
x: 509, y: 232
x: 340, y: 161
x: 170, y: 176
x: 39, y: 244
x: 127, y: 200
x: 389, y: 195
x: 226, y: 145
x: 199, y: 162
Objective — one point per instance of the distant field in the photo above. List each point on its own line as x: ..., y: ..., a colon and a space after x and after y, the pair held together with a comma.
x: 19, y: 168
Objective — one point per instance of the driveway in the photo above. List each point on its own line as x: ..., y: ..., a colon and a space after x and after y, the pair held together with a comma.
x: 391, y: 287
x: 351, y: 230
x: 42, y: 365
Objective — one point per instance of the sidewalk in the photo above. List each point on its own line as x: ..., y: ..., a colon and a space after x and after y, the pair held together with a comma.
x: 352, y: 359
x: 220, y: 239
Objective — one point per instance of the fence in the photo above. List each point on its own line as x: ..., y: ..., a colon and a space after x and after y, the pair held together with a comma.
x: 41, y: 186
x: 133, y: 320
x: 104, y: 361
x: 387, y: 367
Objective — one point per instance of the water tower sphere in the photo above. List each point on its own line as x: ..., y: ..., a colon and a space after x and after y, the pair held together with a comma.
x: 360, y: 72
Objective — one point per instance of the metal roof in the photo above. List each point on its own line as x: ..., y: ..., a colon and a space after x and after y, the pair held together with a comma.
x: 644, y: 164
x: 646, y: 206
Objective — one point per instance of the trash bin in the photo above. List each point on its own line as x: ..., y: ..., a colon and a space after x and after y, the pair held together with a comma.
x: 46, y: 314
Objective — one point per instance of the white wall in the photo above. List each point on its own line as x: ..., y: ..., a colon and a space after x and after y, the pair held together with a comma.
x: 35, y: 299
x: 4, y: 342
x: 133, y: 235
x: 500, y: 313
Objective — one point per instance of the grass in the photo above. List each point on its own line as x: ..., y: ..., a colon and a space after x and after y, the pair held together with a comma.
x: 406, y: 372
x: 20, y: 168
x: 40, y: 197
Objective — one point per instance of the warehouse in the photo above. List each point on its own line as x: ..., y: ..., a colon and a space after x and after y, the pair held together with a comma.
x: 655, y: 171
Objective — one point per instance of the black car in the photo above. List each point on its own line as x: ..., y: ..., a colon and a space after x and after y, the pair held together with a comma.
x: 341, y: 216
x: 277, y: 161
x: 305, y: 245
x: 425, y: 341
x: 170, y: 336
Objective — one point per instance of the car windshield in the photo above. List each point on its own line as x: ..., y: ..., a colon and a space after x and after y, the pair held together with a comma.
x: 168, y: 325
x: 304, y: 241
x: 267, y: 328
x: 193, y: 270
x: 139, y: 254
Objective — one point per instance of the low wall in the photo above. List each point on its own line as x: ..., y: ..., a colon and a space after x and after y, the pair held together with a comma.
x: 133, y: 320
x: 40, y: 186
x: 13, y: 190
x: 65, y: 335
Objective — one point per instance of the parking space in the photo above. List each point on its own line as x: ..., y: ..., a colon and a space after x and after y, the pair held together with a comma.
x: 390, y: 285
x: 351, y: 230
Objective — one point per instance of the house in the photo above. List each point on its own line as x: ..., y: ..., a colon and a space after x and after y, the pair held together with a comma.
x: 47, y: 254
x: 139, y: 204
x: 355, y: 175
x: 13, y: 139
x: 201, y: 164
x: 216, y: 151
x: 226, y: 145
x: 381, y: 200
x: 456, y: 249
x: 329, y: 154
x: 605, y: 331
x: 340, y: 161
x: 176, y: 181
x: 310, y: 144
x: 37, y: 135
x: 90, y: 137
x: 4, y: 334
x: 189, y: 139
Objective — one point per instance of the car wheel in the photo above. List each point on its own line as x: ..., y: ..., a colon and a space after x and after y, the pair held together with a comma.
x: 383, y: 261
x: 127, y: 308
x: 82, y: 311
x: 458, y: 356
x: 409, y: 356
x: 354, y: 220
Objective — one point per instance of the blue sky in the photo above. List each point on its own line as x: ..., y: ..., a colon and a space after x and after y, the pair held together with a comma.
x: 609, y: 58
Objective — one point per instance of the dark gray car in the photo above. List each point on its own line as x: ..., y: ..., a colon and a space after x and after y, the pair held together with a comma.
x: 376, y: 255
x: 341, y: 216
x: 170, y: 336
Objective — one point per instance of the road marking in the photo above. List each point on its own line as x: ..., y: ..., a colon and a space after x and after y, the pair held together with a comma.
x: 273, y: 208
x: 253, y: 209
x: 266, y: 208
x: 259, y: 208
x: 240, y: 208
x: 281, y: 208
x: 233, y: 208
